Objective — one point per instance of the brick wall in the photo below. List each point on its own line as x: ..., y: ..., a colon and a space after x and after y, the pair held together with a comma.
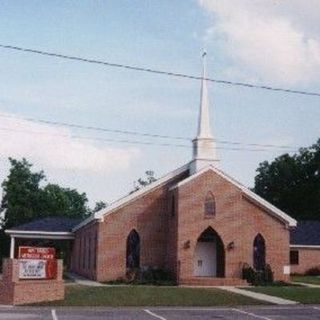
x: 148, y: 215
x: 15, y: 291
x: 84, y: 251
x: 236, y: 220
x: 308, y: 258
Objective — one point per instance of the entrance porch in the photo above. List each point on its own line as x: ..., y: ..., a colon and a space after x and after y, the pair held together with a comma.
x: 209, y: 263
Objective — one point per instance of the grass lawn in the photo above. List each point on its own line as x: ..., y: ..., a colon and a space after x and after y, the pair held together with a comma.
x: 77, y: 295
x: 296, y: 293
x: 306, y: 279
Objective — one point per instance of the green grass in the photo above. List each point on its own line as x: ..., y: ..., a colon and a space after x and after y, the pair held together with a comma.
x: 77, y: 295
x: 306, y: 279
x: 296, y: 293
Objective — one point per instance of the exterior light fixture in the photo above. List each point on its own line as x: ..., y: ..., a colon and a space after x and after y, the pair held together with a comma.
x: 186, y: 245
x: 230, y: 245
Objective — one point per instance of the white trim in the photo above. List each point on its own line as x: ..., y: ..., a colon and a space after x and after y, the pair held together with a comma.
x: 277, y: 212
x: 84, y: 222
x: 12, y: 248
x: 154, y: 314
x: 40, y: 234
x: 306, y: 246
x: 54, y: 314
x: 133, y: 196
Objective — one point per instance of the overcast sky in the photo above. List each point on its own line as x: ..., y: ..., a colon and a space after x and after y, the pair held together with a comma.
x: 267, y: 42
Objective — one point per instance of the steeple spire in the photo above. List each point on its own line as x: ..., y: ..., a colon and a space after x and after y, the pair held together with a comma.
x: 204, y: 124
x: 204, y: 147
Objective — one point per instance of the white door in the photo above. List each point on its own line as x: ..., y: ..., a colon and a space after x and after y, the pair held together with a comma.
x: 205, y: 259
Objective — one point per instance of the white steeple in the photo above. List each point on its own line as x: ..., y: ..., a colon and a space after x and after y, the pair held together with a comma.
x: 204, y: 147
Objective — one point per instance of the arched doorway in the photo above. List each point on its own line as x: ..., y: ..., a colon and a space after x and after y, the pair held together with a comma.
x: 133, y: 250
x: 209, y: 257
x: 259, y: 252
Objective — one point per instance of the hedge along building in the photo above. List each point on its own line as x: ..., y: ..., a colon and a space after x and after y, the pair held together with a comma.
x: 196, y: 221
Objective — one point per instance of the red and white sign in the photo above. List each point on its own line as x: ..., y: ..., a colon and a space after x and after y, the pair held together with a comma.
x: 37, y: 253
x: 37, y: 263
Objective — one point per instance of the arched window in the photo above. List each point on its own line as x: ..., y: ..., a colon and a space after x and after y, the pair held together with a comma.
x: 259, y: 252
x: 133, y: 250
x: 210, y: 205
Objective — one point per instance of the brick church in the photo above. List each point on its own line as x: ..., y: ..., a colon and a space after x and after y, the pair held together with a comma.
x: 196, y: 221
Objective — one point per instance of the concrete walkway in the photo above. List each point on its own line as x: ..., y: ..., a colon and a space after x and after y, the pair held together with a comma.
x: 83, y: 281
x: 259, y: 296
x: 310, y: 285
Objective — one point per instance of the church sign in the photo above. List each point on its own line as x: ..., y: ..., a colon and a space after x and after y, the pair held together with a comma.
x: 37, y: 263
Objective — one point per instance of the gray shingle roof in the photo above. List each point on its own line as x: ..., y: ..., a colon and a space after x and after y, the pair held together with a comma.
x: 306, y: 233
x: 49, y: 224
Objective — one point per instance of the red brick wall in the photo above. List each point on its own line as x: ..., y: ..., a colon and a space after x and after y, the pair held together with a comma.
x: 148, y: 215
x: 308, y: 258
x: 84, y: 251
x: 236, y: 220
x: 172, y: 234
x: 164, y: 236
x: 15, y: 291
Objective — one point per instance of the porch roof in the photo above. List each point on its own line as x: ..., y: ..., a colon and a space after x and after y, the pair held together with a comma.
x: 307, y: 233
x: 45, y: 228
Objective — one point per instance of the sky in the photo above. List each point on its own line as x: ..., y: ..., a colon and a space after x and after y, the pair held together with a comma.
x: 264, y: 42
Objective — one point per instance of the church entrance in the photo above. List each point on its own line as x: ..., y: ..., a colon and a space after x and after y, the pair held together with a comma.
x: 209, y: 255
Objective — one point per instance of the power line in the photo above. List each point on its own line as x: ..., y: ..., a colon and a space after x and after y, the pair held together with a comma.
x: 143, y: 134
x: 155, y: 71
x: 126, y: 141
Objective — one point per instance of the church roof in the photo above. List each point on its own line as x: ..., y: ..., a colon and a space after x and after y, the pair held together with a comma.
x: 271, y: 209
x: 307, y: 233
x: 133, y: 196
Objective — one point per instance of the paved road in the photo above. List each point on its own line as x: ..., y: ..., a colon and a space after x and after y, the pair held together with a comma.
x: 241, y: 313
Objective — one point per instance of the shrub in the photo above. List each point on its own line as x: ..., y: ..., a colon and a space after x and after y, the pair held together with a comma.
x: 314, y: 271
x: 155, y: 276
x: 257, y: 277
x: 146, y: 276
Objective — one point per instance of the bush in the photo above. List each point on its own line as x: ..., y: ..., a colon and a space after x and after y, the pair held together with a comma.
x: 314, y: 271
x: 257, y: 277
x: 146, y: 276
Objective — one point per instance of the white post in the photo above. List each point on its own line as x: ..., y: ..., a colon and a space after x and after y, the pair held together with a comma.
x: 12, y: 248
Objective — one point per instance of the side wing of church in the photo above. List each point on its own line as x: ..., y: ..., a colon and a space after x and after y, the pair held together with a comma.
x: 196, y: 222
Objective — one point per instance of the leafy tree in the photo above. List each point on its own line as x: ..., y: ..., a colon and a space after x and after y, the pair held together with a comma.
x: 58, y: 201
x: 99, y: 206
x: 140, y: 183
x: 292, y: 183
x: 24, y: 198
x: 21, y: 192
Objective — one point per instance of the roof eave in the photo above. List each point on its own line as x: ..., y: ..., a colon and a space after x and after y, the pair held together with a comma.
x: 307, y: 246
x: 127, y: 199
x: 62, y: 235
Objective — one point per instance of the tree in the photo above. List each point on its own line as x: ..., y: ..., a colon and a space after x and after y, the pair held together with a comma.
x: 140, y: 183
x: 21, y: 192
x: 292, y: 183
x: 58, y: 201
x: 99, y: 206
x: 25, y: 199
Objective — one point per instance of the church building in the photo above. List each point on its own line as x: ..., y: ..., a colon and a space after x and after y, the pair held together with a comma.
x: 197, y: 222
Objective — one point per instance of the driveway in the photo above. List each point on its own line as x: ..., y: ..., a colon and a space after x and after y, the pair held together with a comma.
x: 82, y: 313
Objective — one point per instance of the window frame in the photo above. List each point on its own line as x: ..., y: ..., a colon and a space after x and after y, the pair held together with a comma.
x: 210, y: 205
x: 294, y: 257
